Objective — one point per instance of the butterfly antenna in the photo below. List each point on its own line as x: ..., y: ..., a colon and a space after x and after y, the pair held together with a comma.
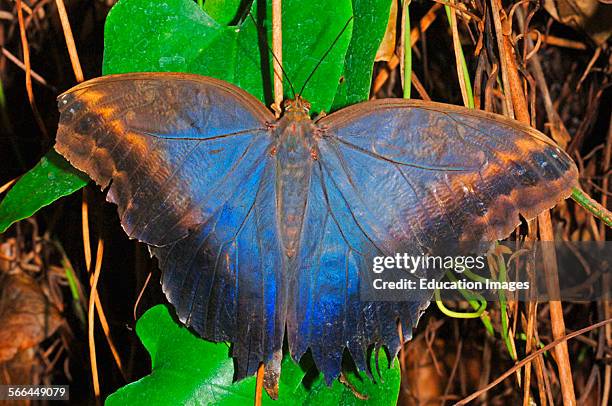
x: 325, y: 54
x: 262, y: 36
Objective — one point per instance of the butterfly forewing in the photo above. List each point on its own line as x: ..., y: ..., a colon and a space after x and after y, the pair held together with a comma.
x: 172, y: 152
x: 438, y: 173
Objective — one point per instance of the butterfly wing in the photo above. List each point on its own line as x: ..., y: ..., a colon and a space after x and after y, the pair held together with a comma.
x: 165, y: 141
x: 326, y: 313
x: 186, y: 158
x: 455, y: 173
x: 227, y: 281
x: 400, y: 176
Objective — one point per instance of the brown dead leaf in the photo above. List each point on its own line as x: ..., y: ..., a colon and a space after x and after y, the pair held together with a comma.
x: 21, y: 370
x: 26, y: 316
x: 590, y: 16
x: 426, y: 386
x: 387, y: 46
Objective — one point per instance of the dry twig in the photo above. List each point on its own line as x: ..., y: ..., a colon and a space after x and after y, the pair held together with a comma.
x: 531, y: 357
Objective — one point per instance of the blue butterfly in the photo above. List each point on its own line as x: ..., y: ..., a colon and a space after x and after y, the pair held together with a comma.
x: 265, y: 228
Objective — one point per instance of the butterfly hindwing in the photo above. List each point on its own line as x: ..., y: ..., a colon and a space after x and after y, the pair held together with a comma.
x: 227, y: 282
x: 326, y: 313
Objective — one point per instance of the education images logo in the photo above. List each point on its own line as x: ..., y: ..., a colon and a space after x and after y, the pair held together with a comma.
x: 425, y: 270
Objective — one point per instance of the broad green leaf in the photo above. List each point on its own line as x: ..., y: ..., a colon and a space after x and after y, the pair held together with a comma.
x: 383, y: 389
x: 50, y: 179
x: 309, y: 30
x: 370, y: 24
x: 176, y: 35
x: 225, y: 12
x: 192, y: 371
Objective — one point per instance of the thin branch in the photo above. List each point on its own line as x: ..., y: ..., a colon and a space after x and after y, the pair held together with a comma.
x: 277, y: 50
x: 74, y: 56
x: 22, y: 66
x: 530, y: 358
x: 28, y: 70
x: 259, y: 384
x: 90, y: 320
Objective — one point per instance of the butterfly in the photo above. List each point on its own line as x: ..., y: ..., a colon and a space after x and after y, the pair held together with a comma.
x: 267, y: 227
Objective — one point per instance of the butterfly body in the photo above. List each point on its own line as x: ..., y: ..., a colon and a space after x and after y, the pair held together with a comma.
x: 294, y: 150
x: 264, y: 228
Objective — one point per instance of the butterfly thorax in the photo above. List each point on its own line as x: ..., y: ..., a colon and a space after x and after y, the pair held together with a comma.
x: 294, y: 152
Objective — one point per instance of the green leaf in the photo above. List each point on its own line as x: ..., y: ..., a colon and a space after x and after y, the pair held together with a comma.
x: 189, y: 370
x: 184, y: 367
x: 176, y: 35
x: 371, y: 18
x: 309, y: 30
x: 225, y: 12
x: 50, y: 179
x: 383, y: 389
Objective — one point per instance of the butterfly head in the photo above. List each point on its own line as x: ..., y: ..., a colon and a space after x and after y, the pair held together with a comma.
x: 298, y: 106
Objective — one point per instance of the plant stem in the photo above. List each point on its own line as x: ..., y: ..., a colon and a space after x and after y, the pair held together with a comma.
x: 462, y: 72
x: 593, y: 207
x: 407, y: 50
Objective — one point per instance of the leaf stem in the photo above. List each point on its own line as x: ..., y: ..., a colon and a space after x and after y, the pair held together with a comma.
x: 474, y: 299
x: 462, y: 71
x: 592, y: 206
x: 407, y: 50
x: 459, y: 315
x: 503, y: 304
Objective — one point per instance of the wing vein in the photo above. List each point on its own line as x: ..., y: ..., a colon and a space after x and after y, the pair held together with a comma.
x: 213, y: 191
x: 413, y: 165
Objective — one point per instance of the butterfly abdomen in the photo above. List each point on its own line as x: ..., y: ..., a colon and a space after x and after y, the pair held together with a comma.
x: 294, y: 166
